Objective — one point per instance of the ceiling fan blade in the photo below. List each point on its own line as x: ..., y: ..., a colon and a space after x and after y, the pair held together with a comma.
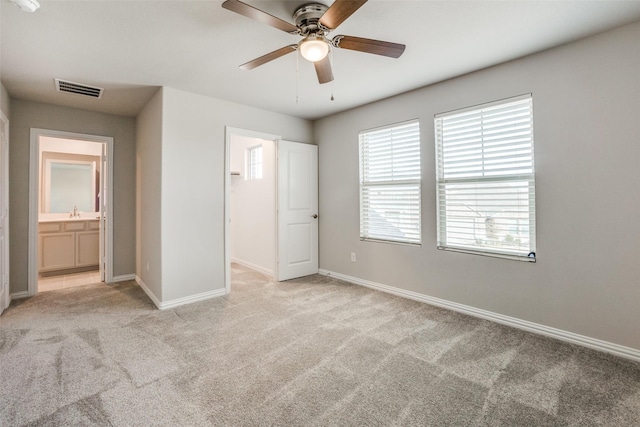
x: 269, y: 57
x: 323, y: 70
x: 377, y: 47
x: 339, y: 11
x: 258, y: 15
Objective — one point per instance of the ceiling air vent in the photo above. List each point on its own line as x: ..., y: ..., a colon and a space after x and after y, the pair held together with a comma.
x: 78, y: 89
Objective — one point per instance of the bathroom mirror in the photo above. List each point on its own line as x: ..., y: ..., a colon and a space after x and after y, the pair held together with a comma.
x: 69, y: 182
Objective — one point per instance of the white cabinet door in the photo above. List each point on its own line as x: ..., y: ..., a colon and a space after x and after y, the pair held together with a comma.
x: 87, y: 248
x: 297, y: 210
x: 57, y: 251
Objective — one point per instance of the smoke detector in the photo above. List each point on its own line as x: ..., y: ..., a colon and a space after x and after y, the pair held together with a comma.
x: 27, y: 5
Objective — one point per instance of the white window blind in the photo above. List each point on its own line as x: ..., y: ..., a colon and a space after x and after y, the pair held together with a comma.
x: 485, y: 179
x: 390, y: 184
x: 254, y: 162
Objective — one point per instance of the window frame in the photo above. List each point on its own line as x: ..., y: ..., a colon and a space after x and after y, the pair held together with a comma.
x: 249, y: 174
x: 412, y: 185
x: 486, y: 179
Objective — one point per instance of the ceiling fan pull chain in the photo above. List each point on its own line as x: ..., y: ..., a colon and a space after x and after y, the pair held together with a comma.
x: 297, y: 75
x: 333, y: 82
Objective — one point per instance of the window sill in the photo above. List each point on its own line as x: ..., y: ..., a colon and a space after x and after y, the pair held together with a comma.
x: 489, y: 254
x: 393, y: 242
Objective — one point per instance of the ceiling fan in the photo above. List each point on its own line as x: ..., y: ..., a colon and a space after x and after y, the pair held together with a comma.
x: 313, y: 22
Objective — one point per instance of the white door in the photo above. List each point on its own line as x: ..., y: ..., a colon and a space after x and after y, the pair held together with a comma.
x: 297, y: 210
x: 4, y: 212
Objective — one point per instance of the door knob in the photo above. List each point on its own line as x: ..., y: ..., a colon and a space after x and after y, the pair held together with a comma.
x: 314, y: 216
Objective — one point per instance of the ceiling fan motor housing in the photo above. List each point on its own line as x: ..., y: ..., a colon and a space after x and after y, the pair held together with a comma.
x: 307, y: 19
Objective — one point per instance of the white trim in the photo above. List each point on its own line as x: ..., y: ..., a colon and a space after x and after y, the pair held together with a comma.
x: 123, y: 278
x: 179, y: 301
x: 228, y: 132
x: 192, y: 298
x: 19, y: 295
x: 34, y: 162
x: 253, y: 266
x: 5, y: 293
x: 487, y: 253
x: 147, y: 291
x: 562, y: 335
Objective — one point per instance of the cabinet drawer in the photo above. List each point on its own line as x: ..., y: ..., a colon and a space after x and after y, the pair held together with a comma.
x: 50, y: 227
x: 93, y: 225
x: 74, y: 226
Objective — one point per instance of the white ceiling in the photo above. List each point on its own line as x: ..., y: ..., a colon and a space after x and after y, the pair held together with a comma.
x: 132, y: 47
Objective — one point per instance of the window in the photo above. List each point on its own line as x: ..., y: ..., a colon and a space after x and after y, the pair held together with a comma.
x: 485, y: 179
x: 254, y: 162
x: 390, y: 184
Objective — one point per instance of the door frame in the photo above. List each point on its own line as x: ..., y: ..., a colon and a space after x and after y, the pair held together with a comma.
x: 34, y: 178
x: 5, y: 292
x: 229, y: 132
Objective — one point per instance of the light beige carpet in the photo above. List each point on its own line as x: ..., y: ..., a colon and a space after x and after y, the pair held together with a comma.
x: 307, y: 352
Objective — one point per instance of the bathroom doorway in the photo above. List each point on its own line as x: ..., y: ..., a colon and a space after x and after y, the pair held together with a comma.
x: 70, y: 210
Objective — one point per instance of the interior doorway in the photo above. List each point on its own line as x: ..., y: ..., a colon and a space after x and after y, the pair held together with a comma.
x: 292, y: 211
x: 70, y: 210
x: 251, y: 201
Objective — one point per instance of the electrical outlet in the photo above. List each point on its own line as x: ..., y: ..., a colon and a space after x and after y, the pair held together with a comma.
x: 353, y: 257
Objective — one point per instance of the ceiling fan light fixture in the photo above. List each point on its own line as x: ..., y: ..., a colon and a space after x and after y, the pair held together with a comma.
x: 27, y: 5
x: 313, y: 48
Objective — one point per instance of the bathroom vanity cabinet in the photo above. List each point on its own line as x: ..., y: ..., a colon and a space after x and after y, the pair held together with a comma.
x: 65, y: 245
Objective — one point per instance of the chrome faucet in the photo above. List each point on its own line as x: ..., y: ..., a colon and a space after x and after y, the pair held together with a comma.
x: 75, y: 213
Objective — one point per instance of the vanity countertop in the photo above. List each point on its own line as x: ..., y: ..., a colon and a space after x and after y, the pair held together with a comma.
x: 67, y: 219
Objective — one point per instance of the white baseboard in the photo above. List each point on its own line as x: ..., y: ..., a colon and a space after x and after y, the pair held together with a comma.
x: 593, y: 343
x: 164, y: 305
x: 192, y: 298
x: 5, y: 300
x: 253, y: 266
x: 18, y: 295
x: 123, y: 278
x: 147, y: 291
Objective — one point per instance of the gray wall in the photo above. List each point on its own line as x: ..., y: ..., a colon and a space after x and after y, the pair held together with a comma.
x: 26, y: 115
x: 4, y: 101
x: 193, y: 158
x: 149, y: 196
x: 586, y: 98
